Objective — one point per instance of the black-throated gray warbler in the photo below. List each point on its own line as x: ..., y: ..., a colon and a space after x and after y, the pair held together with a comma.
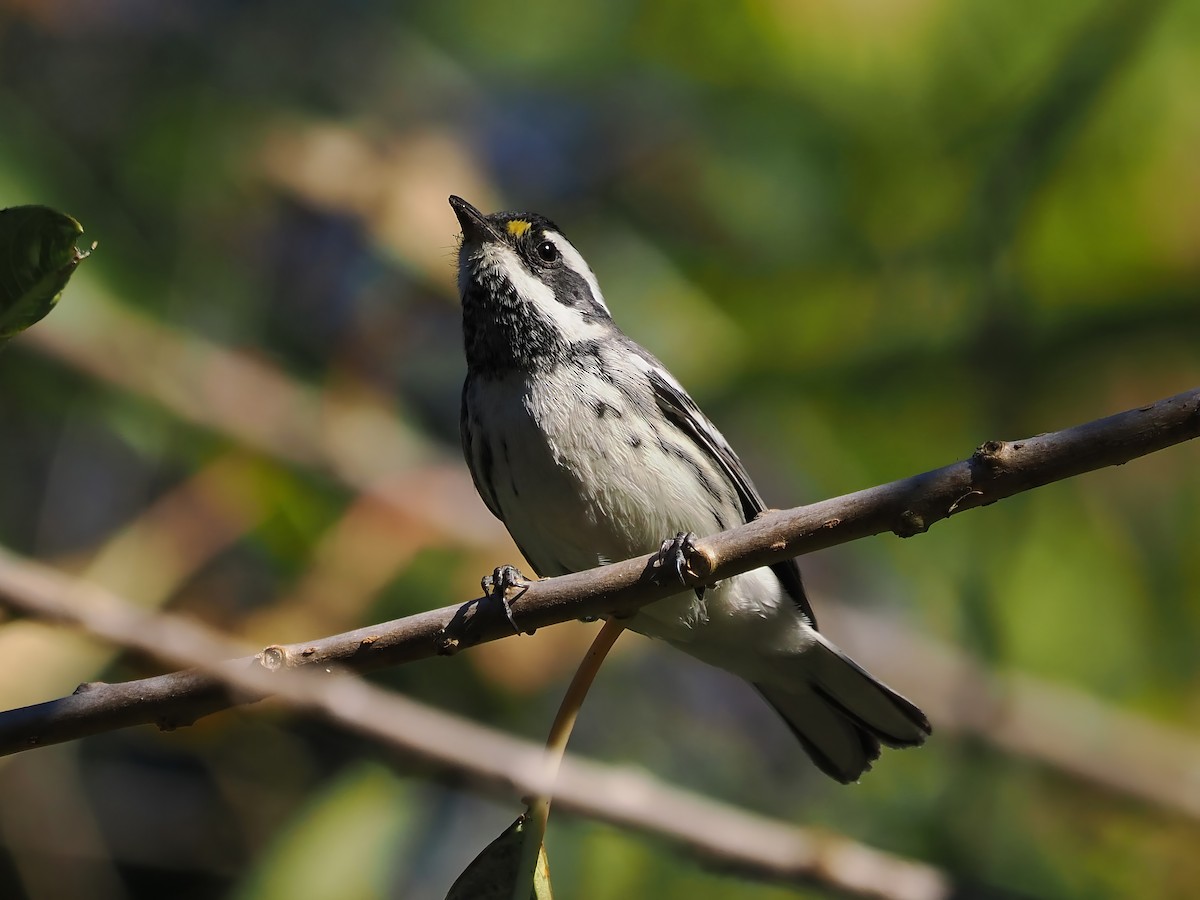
x: 589, y: 451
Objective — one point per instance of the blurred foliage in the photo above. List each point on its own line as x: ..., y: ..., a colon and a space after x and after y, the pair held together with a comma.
x: 869, y: 236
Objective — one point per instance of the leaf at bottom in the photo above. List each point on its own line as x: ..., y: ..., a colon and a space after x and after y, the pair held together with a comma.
x: 491, y: 874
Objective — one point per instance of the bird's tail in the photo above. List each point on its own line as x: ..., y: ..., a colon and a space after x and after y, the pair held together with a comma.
x: 841, y: 714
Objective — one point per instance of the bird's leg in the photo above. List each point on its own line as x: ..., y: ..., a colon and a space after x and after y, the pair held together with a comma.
x: 674, y: 556
x: 497, y: 585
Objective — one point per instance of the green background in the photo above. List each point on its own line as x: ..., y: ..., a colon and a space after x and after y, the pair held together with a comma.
x: 868, y: 236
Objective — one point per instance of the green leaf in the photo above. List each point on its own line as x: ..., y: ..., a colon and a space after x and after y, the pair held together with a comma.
x: 37, y: 257
x: 491, y: 874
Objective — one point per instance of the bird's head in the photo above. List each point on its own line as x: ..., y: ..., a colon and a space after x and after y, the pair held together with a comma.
x: 528, y: 295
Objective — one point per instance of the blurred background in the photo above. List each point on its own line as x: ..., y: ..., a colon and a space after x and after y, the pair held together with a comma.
x: 868, y: 235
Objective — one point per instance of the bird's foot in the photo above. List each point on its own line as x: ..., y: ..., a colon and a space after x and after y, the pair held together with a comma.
x: 675, y: 558
x: 496, y: 587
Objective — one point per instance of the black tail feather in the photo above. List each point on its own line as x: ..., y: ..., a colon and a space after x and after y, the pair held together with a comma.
x: 842, y: 715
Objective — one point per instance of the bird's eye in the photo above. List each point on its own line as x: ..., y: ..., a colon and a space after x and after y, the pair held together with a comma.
x: 547, y: 251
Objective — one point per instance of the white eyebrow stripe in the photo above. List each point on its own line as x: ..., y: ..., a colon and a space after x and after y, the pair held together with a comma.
x: 577, y: 263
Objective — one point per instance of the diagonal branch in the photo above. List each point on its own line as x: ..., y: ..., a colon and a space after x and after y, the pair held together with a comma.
x: 996, y: 470
x: 487, y: 759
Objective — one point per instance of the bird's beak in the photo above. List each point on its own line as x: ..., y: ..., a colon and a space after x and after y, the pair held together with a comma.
x: 476, y: 228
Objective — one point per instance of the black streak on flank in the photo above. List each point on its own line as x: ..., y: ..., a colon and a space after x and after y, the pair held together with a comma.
x: 701, y: 475
x: 486, y: 460
x: 635, y: 442
x: 512, y: 481
x: 634, y: 392
x: 603, y: 409
x: 486, y: 470
x: 660, y: 440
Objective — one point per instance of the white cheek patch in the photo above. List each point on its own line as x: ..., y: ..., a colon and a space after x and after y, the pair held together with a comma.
x: 503, y: 261
x: 577, y: 263
x: 571, y: 323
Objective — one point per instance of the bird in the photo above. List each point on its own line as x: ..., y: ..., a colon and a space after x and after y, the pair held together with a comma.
x: 590, y: 451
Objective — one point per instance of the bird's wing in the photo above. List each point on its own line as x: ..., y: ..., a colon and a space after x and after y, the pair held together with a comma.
x: 682, y: 411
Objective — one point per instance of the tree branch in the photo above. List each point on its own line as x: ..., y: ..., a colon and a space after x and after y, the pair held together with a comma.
x: 487, y: 759
x: 910, y: 506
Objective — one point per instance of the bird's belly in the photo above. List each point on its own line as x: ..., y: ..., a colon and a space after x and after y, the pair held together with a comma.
x: 590, y: 482
x: 577, y: 498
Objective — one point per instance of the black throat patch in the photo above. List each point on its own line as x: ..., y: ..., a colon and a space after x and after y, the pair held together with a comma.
x: 501, y: 333
x: 504, y: 332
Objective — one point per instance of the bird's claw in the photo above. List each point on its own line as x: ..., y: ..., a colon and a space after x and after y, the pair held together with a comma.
x: 497, y: 585
x: 675, y: 556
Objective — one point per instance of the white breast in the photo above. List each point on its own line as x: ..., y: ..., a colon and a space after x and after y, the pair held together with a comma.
x: 579, y: 476
x: 582, y: 477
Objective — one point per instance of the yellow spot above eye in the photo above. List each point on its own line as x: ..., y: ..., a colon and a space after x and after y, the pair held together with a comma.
x: 518, y: 227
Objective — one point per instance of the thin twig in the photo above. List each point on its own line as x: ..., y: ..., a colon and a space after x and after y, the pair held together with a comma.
x: 538, y: 814
x: 906, y: 507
